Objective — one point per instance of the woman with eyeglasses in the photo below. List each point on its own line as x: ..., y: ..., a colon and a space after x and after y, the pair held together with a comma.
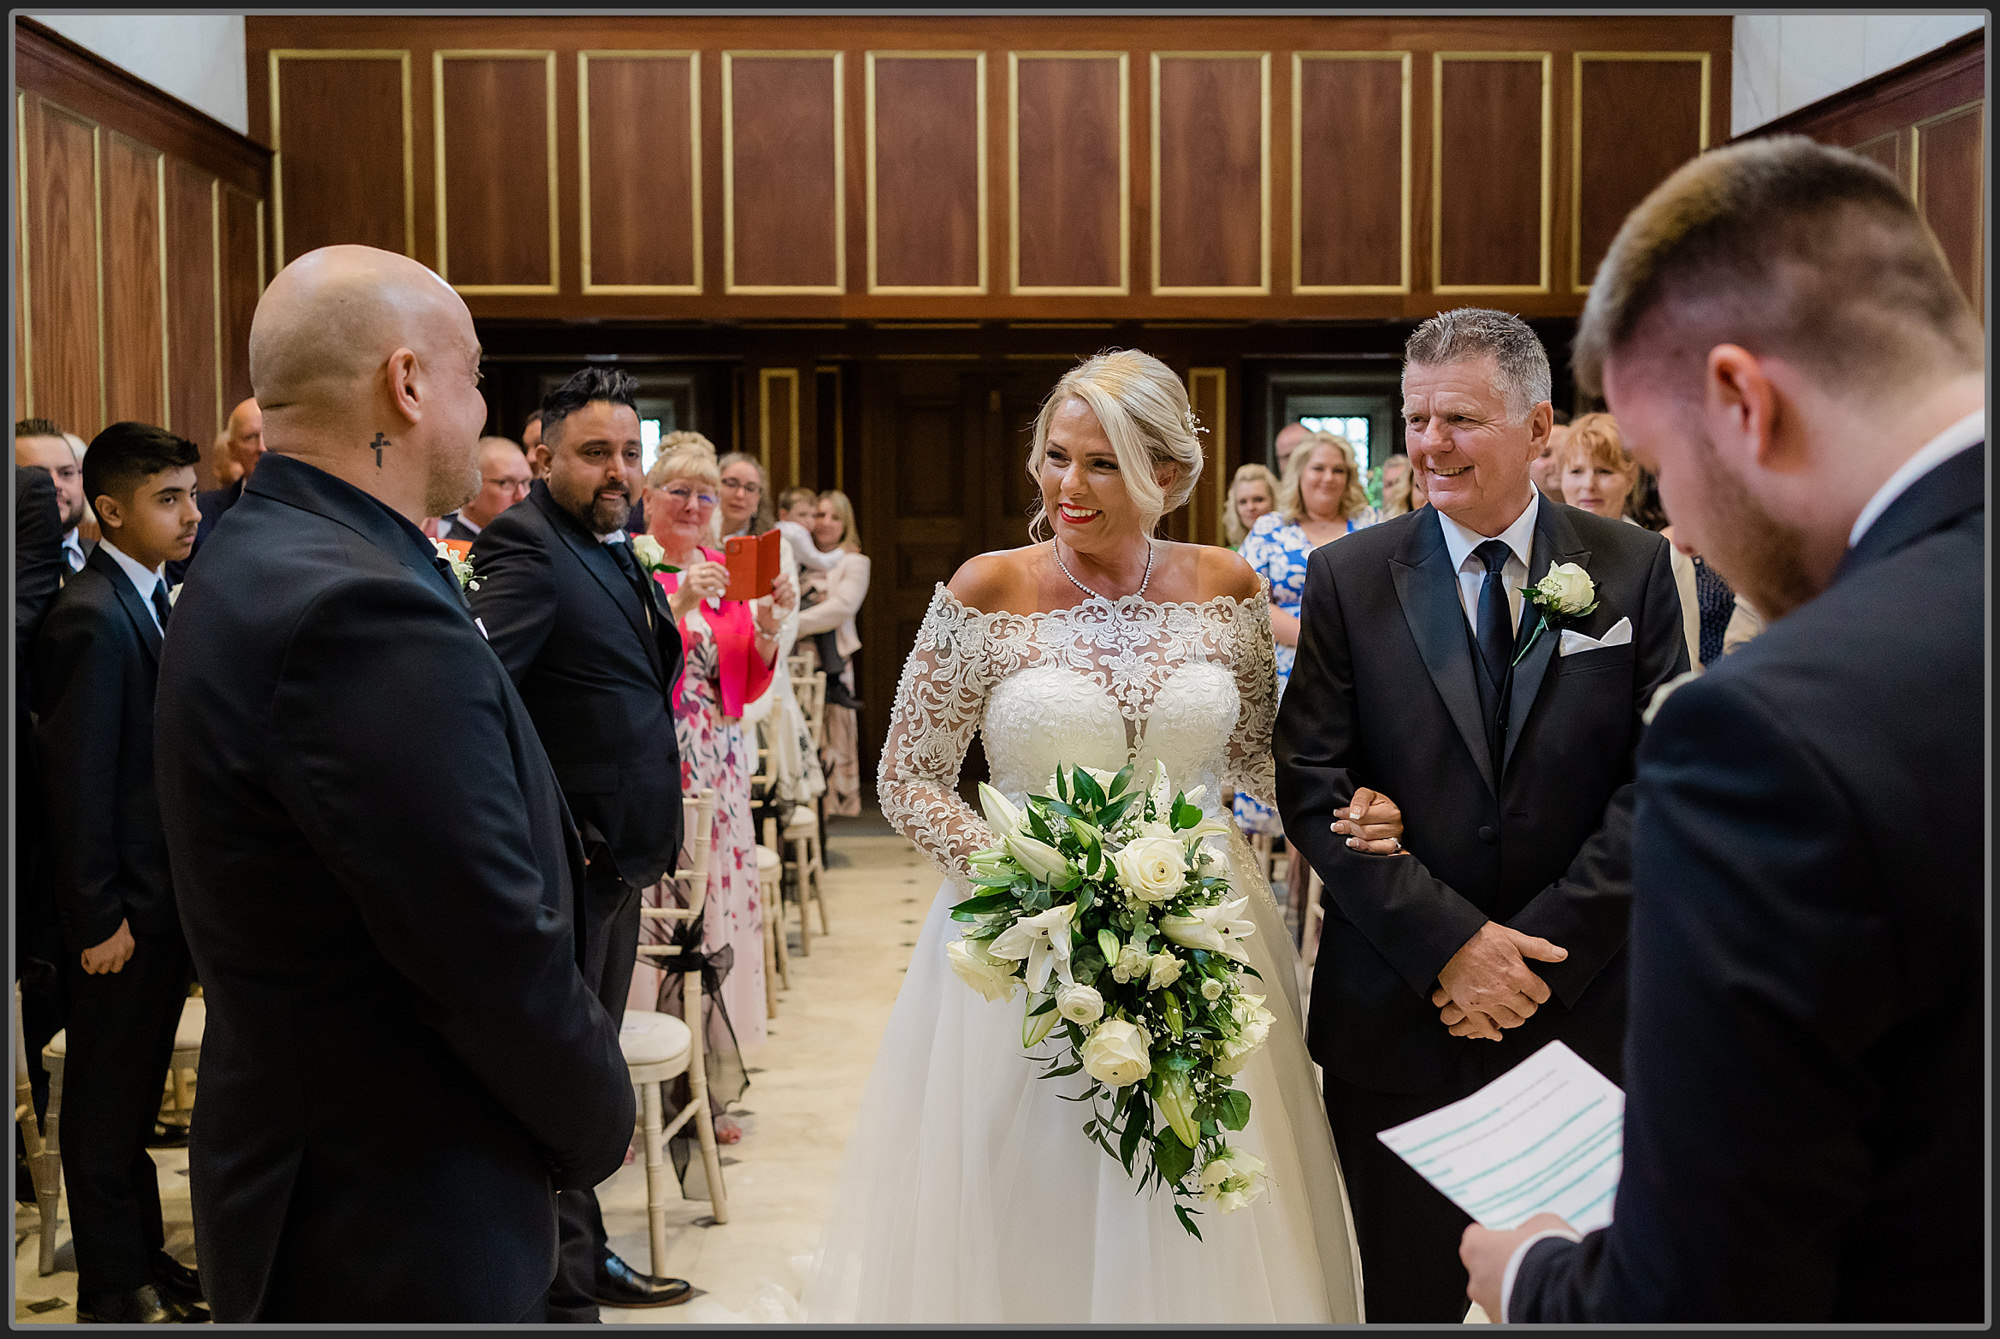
x: 732, y: 652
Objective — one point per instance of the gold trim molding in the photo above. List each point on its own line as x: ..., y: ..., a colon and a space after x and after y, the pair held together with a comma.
x: 402, y: 56
x: 1298, y: 173
x: 979, y: 111
x: 1215, y: 487
x: 1263, y: 286
x: 729, y: 285
x: 765, y: 376
x: 548, y: 59
x: 1577, y: 59
x: 1546, y: 59
x: 1123, y: 288
x: 583, y: 59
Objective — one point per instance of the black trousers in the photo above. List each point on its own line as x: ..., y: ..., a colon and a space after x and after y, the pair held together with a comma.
x: 1407, y: 1231
x: 610, y: 929
x: 121, y: 1039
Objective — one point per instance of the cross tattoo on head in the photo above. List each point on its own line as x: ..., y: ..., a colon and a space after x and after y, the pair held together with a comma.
x: 379, y: 442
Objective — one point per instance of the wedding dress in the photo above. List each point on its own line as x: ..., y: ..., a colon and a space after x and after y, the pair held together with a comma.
x: 969, y: 1192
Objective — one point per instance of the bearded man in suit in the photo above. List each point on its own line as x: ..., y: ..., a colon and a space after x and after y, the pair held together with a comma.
x: 1806, y: 1100
x: 358, y: 914
x: 1504, y: 726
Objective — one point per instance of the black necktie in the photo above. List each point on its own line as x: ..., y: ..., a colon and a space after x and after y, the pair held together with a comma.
x: 1494, y: 628
x: 162, y: 606
x: 621, y: 553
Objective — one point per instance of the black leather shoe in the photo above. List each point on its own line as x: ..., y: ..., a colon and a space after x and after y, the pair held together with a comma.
x: 176, y: 1280
x: 143, y: 1305
x: 620, y: 1285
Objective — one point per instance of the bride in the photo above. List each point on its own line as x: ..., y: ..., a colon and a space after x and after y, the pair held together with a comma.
x: 969, y: 1191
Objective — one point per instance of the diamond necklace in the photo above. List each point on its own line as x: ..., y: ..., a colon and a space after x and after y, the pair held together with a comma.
x: 1056, y: 549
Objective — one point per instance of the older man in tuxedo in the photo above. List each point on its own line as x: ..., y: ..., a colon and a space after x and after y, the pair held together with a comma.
x: 1806, y: 1100
x: 587, y: 636
x: 1504, y: 725
x: 403, y: 1063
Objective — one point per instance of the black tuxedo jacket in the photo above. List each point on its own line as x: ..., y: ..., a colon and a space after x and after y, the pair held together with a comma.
x: 1383, y: 695
x: 402, y: 1063
x: 453, y: 528
x: 1806, y: 1096
x: 569, y: 627
x: 38, y: 574
x: 96, y: 664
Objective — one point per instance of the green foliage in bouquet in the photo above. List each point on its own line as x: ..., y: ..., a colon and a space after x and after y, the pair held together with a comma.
x: 1106, y: 904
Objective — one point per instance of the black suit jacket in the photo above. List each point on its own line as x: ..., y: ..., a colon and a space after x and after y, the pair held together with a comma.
x: 96, y: 664
x: 212, y: 502
x: 402, y: 1062
x: 1806, y: 1097
x: 1383, y: 695
x: 598, y: 681
x: 452, y: 528
x: 39, y: 570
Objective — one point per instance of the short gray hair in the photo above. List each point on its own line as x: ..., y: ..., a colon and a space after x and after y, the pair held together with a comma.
x: 1467, y: 333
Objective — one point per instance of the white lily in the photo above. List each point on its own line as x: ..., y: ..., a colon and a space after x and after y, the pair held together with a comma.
x: 992, y: 977
x: 1160, y: 790
x: 1044, y: 941
x: 1219, y: 929
x: 1001, y: 814
x: 1042, y: 861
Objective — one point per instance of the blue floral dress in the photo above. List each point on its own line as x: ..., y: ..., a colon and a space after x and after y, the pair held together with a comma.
x: 1277, y: 549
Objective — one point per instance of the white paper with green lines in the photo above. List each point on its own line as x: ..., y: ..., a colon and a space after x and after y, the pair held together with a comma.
x: 1548, y: 1136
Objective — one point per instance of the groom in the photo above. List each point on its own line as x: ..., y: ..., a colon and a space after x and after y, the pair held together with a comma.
x: 1507, y: 733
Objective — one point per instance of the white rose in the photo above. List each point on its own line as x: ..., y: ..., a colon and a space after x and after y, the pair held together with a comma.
x: 1253, y: 1026
x: 1569, y: 587
x: 648, y: 551
x: 1080, y: 1004
x: 1132, y: 963
x: 1116, y: 1054
x: 1232, y: 1180
x: 992, y: 977
x: 1211, y: 990
x: 1166, y: 970
x: 1152, y: 869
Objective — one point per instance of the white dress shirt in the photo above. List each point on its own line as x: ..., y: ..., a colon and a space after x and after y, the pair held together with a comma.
x: 460, y: 518
x: 1519, y: 537
x: 1963, y: 435
x: 72, y: 548
x: 143, y: 580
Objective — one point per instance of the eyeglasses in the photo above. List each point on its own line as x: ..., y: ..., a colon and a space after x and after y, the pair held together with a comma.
x: 511, y: 485
x: 739, y: 486
x: 683, y: 496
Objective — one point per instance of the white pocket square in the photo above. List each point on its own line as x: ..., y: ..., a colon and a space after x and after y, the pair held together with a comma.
x: 1573, y: 642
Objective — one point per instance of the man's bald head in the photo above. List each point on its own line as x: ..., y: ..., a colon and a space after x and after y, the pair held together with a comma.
x: 244, y: 437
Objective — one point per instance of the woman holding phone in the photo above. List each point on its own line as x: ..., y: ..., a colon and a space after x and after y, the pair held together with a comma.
x: 732, y: 648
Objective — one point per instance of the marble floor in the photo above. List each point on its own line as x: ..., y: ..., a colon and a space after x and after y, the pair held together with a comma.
x: 805, y: 1084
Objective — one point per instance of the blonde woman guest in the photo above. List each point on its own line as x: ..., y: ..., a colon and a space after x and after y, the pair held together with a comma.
x: 731, y: 649
x: 1253, y: 494
x: 1598, y: 475
x: 1404, y: 493
x: 1320, y: 500
x: 842, y: 591
x: 746, y: 496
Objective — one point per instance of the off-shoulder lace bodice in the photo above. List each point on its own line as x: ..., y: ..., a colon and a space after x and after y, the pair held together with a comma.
x: 1101, y: 684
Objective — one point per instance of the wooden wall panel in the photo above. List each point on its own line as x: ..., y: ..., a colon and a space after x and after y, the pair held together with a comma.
x: 1069, y: 150
x: 1891, y: 149
x: 135, y: 327
x: 23, y: 331
x: 242, y: 261
x: 1208, y: 396
x: 1350, y: 124
x: 1950, y: 159
x: 1491, y: 172
x: 495, y: 134
x: 783, y: 172
x: 194, y: 388
x: 345, y: 157
x: 778, y: 445
x: 63, y: 270
x: 639, y: 119
x: 926, y: 203
x: 1637, y: 117
x: 1211, y: 139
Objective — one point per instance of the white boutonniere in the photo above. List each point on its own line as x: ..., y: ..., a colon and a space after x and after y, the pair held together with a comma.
x: 174, y: 595
x: 1565, y: 591
x: 651, y: 556
x: 460, y: 567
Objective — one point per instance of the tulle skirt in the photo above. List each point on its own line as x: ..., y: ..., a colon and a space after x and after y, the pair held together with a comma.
x: 970, y: 1194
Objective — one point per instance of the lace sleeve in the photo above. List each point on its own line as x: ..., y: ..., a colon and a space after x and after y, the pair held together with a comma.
x: 1253, y: 660
x: 938, y: 707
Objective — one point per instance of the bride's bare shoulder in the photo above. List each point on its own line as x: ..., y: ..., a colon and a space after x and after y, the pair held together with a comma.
x: 1220, y: 572
x: 996, y: 581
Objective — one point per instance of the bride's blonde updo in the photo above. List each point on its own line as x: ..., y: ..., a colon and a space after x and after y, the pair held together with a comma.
x: 1143, y: 408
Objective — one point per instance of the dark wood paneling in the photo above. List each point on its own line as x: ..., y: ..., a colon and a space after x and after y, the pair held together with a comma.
x: 192, y: 388
x: 1951, y: 159
x: 1635, y: 122
x: 1350, y: 130
x: 784, y: 189
x: 640, y: 174
x: 926, y: 168
x: 242, y: 284
x: 1210, y: 189
x: 1488, y: 178
x: 1891, y: 150
x: 62, y: 268
x: 496, y: 227
x: 135, y: 331
x: 1070, y: 175
x: 343, y: 147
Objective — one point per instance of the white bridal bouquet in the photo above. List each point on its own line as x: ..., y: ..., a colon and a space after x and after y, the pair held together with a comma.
x: 1105, y: 902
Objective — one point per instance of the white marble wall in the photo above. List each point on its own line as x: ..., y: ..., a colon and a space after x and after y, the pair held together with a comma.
x: 197, y: 58
x: 1784, y: 61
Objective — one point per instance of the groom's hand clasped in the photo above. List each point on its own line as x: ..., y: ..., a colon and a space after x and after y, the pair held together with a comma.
x: 1487, y: 985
